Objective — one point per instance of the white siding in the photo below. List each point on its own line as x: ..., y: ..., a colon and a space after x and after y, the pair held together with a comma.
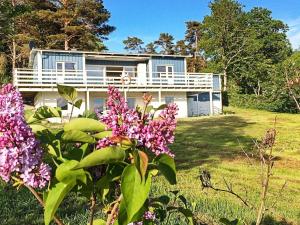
x: 50, y: 99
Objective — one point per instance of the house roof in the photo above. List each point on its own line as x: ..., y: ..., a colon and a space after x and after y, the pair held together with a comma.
x: 33, y: 51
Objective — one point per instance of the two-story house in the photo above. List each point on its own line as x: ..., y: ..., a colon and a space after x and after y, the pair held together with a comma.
x: 165, y: 77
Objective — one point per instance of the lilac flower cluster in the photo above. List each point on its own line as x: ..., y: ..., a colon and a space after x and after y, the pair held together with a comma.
x: 148, y: 215
x: 20, y: 153
x: 155, y: 134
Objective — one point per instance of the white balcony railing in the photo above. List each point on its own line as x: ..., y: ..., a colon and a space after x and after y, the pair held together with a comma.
x: 30, y: 78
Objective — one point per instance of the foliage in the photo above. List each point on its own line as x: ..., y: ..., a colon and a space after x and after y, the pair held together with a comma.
x: 165, y: 43
x: 111, y: 168
x: 211, y: 144
x: 80, y: 24
x: 133, y: 44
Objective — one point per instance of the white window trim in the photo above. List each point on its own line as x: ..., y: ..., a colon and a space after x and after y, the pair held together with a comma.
x: 167, y: 72
x: 64, y: 65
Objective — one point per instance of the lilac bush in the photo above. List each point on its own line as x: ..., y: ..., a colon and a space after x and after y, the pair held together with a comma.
x: 20, y: 152
x: 102, y: 159
x: 155, y: 134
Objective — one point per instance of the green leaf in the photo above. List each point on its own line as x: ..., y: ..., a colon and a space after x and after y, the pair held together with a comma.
x: 77, y: 136
x: 54, y: 148
x: 78, y: 103
x: 166, y: 166
x: 55, y: 197
x: 187, y: 213
x: 67, y: 92
x: 98, y: 222
x: 37, y: 128
x: 103, y: 187
x: 141, y: 163
x: 85, y: 124
x: 65, y: 172
x: 183, y: 199
x: 161, y: 107
x: 103, y: 134
x: 44, y: 112
x: 134, y: 190
x: 106, y: 155
x: 149, y: 108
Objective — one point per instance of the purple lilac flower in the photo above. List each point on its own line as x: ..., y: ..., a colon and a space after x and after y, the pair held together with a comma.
x: 148, y: 215
x: 20, y: 152
x: 156, y: 134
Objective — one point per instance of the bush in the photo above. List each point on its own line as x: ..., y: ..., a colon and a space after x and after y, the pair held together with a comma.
x: 282, y: 103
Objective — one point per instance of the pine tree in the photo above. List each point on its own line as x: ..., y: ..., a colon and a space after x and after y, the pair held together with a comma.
x: 82, y: 24
x: 150, y: 48
x: 165, y: 42
x: 181, y: 48
x: 134, y: 44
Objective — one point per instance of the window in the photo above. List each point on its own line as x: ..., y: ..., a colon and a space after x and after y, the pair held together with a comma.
x: 216, y: 97
x: 131, y: 103
x: 59, y: 66
x: 114, y: 71
x: 62, y: 103
x: 65, y: 66
x: 169, y: 99
x: 99, y: 104
x: 69, y: 66
x: 165, y: 70
x: 161, y: 69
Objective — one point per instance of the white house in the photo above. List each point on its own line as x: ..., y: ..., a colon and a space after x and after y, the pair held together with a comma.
x: 165, y: 77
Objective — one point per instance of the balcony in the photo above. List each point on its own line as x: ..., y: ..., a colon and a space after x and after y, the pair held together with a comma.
x: 37, y: 80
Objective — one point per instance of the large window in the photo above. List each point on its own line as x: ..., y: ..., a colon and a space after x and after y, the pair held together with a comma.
x: 169, y: 99
x: 62, y: 103
x: 165, y: 69
x: 99, y: 104
x: 131, y: 103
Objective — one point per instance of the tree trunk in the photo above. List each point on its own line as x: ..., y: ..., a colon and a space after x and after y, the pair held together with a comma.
x: 225, y: 80
x: 66, y: 44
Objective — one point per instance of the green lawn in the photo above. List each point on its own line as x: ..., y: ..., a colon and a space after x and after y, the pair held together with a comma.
x: 210, y: 143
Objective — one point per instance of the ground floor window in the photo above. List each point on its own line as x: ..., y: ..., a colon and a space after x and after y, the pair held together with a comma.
x: 169, y: 99
x: 62, y: 103
x: 99, y: 104
x: 131, y: 103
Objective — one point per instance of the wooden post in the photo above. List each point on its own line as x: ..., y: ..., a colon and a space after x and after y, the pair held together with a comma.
x: 211, y: 103
x: 159, y: 97
x: 87, y: 100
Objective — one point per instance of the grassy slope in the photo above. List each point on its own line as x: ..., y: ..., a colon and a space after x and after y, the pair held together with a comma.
x: 212, y: 144
x: 209, y: 143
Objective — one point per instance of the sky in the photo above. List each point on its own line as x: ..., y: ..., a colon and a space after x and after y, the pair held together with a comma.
x: 146, y: 19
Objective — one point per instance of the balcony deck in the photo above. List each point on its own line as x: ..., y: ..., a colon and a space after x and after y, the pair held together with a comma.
x: 45, y: 80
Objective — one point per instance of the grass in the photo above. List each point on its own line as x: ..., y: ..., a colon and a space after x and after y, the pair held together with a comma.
x: 206, y: 143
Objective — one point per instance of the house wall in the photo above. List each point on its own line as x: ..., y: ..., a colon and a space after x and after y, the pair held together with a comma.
x: 187, y: 106
x: 199, y: 103
x: 49, y: 59
x: 179, y: 99
x: 50, y: 99
x: 177, y: 63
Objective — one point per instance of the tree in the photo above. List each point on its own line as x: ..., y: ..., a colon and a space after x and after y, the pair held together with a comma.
x: 192, y: 38
x: 181, y: 48
x: 224, y: 34
x: 268, y: 47
x: 133, y: 44
x: 150, y: 48
x: 12, y: 35
x: 165, y: 42
x: 82, y: 24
